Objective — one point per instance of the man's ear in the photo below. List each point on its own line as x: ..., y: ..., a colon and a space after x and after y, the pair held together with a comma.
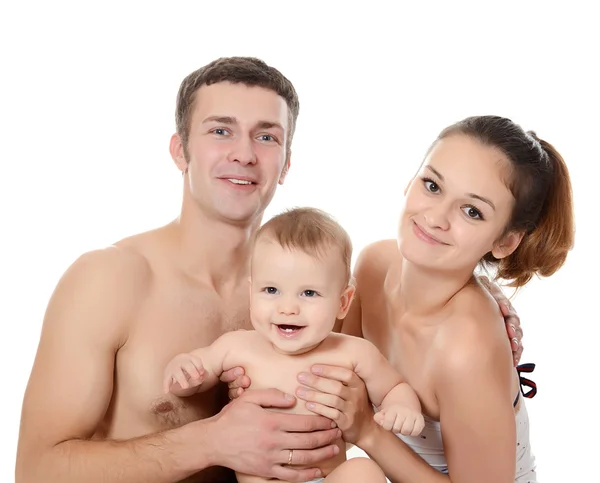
x: 507, y: 244
x: 177, y: 153
x: 286, y: 168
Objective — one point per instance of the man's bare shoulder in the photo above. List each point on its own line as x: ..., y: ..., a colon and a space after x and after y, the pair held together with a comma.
x: 124, y: 263
x: 106, y: 284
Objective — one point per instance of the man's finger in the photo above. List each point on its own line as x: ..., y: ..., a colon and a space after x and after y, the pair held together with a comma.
x: 303, y: 457
x: 518, y: 332
x: 302, y: 423
x: 333, y: 415
x: 268, y: 398
x: 511, y: 330
x: 311, y: 440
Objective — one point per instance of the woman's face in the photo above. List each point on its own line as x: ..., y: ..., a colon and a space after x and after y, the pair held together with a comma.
x: 457, y: 207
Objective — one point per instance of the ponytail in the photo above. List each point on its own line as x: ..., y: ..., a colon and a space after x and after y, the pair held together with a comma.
x: 545, y: 245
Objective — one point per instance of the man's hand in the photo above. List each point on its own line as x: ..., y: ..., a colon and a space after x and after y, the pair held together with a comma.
x: 249, y: 439
x: 511, y: 318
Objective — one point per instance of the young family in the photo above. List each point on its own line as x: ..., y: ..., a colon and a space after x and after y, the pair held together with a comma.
x: 411, y: 358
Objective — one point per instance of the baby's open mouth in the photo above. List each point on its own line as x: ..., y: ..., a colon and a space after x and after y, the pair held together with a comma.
x: 289, y: 330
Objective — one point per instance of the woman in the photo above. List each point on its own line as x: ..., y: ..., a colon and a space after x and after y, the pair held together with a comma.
x: 487, y: 193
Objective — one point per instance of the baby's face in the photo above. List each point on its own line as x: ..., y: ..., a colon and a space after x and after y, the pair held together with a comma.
x: 295, y: 298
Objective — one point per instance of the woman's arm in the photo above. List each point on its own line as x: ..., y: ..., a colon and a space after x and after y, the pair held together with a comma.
x: 477, y: 418
x: 473, y: 388
x: 339, y: 394
x: 399, y: 462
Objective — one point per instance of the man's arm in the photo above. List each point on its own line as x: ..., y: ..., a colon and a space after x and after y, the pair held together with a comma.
x: 512, y: 320
x: 71, y: 383
x: 71, y: 386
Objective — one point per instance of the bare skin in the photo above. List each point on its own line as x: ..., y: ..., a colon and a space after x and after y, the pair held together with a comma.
x: 441, y: 330
x: 295, y: 300
x: 267, y: 367
x: 94, y: 409
x: 340, y: 394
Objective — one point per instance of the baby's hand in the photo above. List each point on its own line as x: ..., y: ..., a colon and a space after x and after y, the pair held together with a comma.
x: 186, y: 370
x: 400, y: 419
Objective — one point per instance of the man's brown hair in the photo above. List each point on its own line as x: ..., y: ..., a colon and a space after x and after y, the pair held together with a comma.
x: 249, y: 71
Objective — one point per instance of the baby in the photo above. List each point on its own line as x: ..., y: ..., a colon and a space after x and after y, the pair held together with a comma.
x: 299, y: 286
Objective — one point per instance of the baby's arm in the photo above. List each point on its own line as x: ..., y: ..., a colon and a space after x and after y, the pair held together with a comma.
x: 398, y: 403
x: 199, y: 370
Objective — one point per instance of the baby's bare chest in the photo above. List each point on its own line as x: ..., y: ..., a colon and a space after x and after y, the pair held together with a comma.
x: 268, y: 369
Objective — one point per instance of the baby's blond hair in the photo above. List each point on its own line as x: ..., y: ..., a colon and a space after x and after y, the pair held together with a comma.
x: 311, y: 230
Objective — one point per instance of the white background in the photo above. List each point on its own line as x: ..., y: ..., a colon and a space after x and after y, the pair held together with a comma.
x: 87, y: 99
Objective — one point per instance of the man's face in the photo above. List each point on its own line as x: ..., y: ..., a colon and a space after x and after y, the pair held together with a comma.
x: 236, y: 150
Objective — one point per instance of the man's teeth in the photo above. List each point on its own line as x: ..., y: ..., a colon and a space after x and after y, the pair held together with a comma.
x: 240, y: 181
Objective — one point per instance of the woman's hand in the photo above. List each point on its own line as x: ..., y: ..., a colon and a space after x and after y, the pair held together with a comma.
x: 340, y: 395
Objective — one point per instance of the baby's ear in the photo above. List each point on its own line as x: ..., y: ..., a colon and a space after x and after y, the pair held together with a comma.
x: 346, y: 300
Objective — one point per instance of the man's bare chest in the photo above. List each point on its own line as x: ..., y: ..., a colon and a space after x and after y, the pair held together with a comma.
x: 168, y: 325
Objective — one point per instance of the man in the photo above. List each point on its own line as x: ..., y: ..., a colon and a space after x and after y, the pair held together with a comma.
x: 94, y: 409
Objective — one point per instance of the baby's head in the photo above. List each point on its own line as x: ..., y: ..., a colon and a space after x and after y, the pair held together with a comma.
x: 300, y: 279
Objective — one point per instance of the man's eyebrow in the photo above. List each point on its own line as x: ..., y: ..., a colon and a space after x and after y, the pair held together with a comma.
x: 221, y: 119
x: 269, y: 125
x: 230, y: 120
